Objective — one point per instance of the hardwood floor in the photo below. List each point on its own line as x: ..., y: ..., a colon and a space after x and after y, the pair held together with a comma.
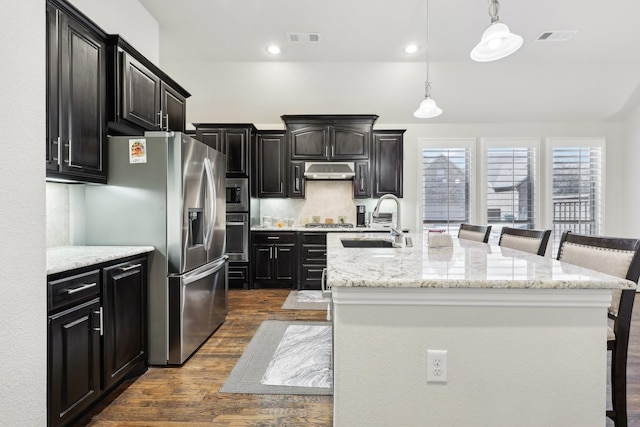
x: 188, y: 396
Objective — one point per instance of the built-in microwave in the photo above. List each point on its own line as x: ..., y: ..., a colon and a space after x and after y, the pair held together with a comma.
x: 237, y: 194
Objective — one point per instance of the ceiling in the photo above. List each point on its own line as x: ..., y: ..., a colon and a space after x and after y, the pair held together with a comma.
x: 601, y: 63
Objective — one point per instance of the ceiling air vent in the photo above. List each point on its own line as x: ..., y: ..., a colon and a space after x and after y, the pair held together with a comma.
x: 555, y: 36
x: 303, y: 37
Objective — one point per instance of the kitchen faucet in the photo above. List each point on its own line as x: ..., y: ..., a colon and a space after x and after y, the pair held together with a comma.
x: 395, y: 232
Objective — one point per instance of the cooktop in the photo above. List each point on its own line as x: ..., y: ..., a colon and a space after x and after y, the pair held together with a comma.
x: 325, y: 225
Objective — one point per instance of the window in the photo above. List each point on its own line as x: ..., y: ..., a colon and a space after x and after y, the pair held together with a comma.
x: 510, y: 184
x: 576, y: 188
x: 446, y: 179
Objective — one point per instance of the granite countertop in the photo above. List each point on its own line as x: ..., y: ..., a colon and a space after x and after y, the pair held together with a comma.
x: 328, y: 229
x: 66, y: 258
x: 465, y: 265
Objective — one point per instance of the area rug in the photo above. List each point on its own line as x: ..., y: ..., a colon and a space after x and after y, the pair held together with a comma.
x: 285, y: 358
x: 305, y: 300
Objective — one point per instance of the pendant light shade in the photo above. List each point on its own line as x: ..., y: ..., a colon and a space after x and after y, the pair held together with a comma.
x: 497, y: 41
x: 428, y: 107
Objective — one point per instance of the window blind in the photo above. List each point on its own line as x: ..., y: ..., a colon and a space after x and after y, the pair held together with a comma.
x: 577, y: 191
x: 510, y: 196
x: 445, y: 184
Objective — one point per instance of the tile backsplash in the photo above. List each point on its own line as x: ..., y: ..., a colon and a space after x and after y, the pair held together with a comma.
x: 57, y: 214
x: 326, y: 199
x: 65, y: 214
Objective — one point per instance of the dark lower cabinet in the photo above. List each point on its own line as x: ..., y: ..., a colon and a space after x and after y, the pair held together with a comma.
x: 74, y: 361
x: 274, y: 259
x: 123, y: 299
x: 313, y: 258
x: 238, y: 275
x: 97, y: 334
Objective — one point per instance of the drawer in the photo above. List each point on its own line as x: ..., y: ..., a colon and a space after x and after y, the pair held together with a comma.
x: 314, y: 254
x: 311, y: 277
x: 275, y: 238
x: 314, y: 239
x: 238, y: 272
x: 312, y: 272
x: 68, y: 290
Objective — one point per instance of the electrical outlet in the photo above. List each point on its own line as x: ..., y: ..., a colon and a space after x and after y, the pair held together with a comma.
x: 436, y: 366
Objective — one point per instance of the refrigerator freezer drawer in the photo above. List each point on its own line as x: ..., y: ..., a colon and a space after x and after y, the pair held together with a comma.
x: 198, y: 305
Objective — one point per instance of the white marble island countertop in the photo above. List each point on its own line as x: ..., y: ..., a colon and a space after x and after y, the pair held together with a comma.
x: 465, y: 265
x: 66, y: 258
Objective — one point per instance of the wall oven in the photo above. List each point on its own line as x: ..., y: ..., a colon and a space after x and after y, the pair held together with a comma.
x: 238, y: 236
x: 237, y: 195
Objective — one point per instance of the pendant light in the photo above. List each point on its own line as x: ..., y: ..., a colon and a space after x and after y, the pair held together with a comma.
x: 428, y: 107
x: 497, y: 41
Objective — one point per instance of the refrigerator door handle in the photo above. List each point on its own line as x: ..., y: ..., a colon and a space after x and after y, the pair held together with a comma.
x: 211, y: 193
x: 204, y: 271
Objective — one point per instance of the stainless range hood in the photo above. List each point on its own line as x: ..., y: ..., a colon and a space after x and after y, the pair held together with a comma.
x: 329, y: 170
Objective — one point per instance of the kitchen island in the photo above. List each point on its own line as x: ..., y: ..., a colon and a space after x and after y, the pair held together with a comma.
x: 525, y: 336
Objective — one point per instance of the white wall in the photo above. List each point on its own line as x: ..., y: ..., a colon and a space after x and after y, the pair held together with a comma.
x: 261, y: 92
x: 23, y: 307
x: 128, y: 18
x: 630, y: 169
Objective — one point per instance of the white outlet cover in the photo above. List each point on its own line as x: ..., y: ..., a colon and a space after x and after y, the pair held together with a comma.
x: 437, y: 366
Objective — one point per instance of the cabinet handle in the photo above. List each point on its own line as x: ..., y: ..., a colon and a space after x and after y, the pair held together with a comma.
x: 100, y: 328
x: 280, y: 187
x: 130, y: 267
x: 273, y: 237
x: 159, y: 124
x: 56, y: 143
x: 326, y: 151
x: 166, y: 121
x: 81, y: 288
x: 333, y: 150
x: 271, y: 252
x: 69, y: 161
x: 276, y: 253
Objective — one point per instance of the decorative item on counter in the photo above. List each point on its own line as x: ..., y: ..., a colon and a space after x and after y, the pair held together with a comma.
x: 439, y: 239
x: 315, y: 219
x: 288, y: 222
x: 266, y: 221
x: 342, y: 219
x: 328, y: 220
x: 304, y: 221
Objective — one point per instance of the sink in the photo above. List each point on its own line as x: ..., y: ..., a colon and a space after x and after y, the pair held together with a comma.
x: 367, y: 243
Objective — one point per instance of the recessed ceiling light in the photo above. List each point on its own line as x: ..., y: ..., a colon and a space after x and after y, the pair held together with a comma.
x: 412, y: 48
x: 273, y: 50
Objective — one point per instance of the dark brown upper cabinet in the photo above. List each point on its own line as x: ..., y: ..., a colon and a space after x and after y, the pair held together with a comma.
x: 141, y: 97
x: 329, y: 137
x: 234, y: 140
x: 272, y: 164
x: 387, y: 162
x: 362, y: 180
x: 76, y: 96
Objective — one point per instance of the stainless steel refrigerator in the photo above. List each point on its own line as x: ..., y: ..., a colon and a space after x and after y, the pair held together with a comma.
x: 167, y: 190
